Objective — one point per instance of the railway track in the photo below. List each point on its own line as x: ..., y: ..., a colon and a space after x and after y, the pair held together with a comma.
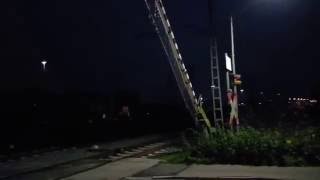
x: 101, y: 157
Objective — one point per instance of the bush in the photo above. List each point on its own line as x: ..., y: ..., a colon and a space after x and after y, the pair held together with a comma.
x: 253, y: 147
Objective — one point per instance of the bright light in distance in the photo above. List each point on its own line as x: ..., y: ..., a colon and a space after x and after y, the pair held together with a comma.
x: 313, y: 101
x: 44, y: 62
x: 289, y: 99
x: 241, y: 90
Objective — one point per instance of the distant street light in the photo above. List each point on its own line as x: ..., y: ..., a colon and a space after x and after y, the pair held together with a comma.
x: 44, y: 62
x: 241, y: 90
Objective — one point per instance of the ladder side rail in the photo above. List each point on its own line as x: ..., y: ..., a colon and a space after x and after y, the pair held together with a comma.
x: 177, y: 58
x: 160, y: 22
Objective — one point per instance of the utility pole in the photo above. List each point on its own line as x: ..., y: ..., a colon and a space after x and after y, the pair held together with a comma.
x: 235, y: 91
x: 232, y: 51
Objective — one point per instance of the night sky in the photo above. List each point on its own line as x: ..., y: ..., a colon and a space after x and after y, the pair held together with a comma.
x: 104, y: 46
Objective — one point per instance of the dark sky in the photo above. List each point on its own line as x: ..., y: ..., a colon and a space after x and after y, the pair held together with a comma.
x: 103, y: 46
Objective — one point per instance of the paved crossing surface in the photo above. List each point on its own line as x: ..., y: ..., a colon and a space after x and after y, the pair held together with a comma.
x: 36, y: 162
x: 116, y: 170
x: 144, y: 168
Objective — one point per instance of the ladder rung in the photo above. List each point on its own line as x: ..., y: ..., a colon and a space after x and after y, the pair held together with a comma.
x: 217, y: 109
x: 216, y: 98
x: 218, y: 119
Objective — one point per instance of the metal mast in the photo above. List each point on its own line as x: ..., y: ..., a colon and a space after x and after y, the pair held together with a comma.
x: 215, y: 74
x: 235, y: 91
x: 216, y: 85
x: 232, y: 51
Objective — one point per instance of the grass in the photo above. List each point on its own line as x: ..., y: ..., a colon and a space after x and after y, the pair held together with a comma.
x: 175, y: 158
